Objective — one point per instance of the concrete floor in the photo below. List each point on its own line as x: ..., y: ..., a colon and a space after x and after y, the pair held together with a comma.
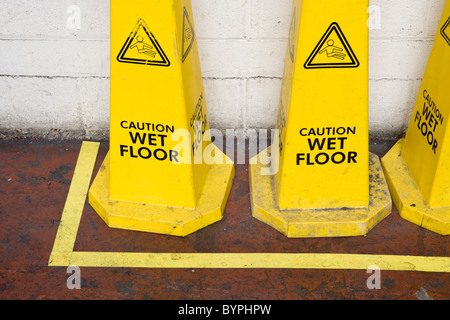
x: 35, y: 177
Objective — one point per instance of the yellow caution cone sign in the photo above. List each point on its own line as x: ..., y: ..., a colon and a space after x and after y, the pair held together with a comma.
x: 418, y: 167
x: 322, y: 182
x: 162, y: 173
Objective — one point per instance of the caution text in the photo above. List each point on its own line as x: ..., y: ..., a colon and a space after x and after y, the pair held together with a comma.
x: 148, y: 145
x: 428, y: 121
x: 327, y: 146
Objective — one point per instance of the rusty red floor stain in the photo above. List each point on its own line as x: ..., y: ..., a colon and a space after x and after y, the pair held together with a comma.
x: 34, y: 181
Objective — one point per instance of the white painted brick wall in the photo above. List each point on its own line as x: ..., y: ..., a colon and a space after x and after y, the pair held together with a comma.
x: 54, y: 81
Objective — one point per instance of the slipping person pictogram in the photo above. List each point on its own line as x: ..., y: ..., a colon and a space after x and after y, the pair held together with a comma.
x: 143, y: 48
x: 333, y: 51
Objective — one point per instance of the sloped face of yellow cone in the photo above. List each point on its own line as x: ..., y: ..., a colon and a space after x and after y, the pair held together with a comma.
x: 323, y: 112
x: 157, y: 96
x: 426, y: 148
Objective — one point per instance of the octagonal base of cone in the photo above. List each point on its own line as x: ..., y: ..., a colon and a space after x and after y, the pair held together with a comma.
x: 408, y: 198
x: 316, y: 223
x: 175, y: 221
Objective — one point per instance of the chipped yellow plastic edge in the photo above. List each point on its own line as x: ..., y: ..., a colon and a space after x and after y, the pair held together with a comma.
x: 63, y: 254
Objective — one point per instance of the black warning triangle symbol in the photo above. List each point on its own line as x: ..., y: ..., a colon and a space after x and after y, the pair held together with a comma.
x: 332, y: 51
x: 188, y: 35
x: 445, y: 31
x: 142, y: 47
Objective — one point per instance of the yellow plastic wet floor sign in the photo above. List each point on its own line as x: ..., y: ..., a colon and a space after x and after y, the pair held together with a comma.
x: 155, y: 177
x: 417, y: 168
x: 325, y: 182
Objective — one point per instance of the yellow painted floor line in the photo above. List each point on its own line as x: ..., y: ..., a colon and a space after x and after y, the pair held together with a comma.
x: 73, y: 209
x: 260, y: 261
x: 63, y: 254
